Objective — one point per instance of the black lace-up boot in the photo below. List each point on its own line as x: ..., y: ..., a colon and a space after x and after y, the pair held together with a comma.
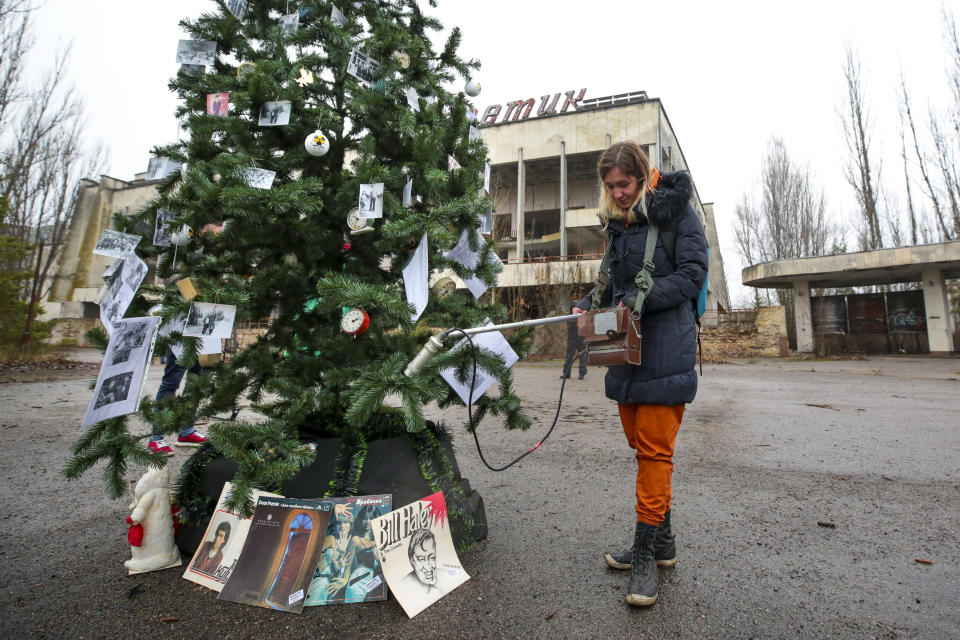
x: 642, y: 591
x: 664, y: 549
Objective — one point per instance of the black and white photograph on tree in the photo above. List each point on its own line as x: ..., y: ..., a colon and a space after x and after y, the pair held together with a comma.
x: 371, y: 200
x: 275, y: 113
x: 133, y: 337
x: 115, y: 244
x: 193, y: 69
x: 208, y: 320
x: 117, y: 391
x: 259, y: 178
x: 289, y: 23
x: 159, y: 167
x: 114, y: 389
x: 362, y: 67
x: 237, y: 8
x: 161, y: 230
x: 133, y: 272
x: 197, y: 52
x: 124, y: 283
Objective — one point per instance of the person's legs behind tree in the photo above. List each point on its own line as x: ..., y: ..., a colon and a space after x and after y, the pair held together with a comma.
x: 172, y: 377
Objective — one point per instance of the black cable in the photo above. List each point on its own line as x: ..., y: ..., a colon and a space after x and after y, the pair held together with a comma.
x: 473, y: 429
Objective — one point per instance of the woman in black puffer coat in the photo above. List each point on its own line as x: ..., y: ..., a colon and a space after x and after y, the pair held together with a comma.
x: 651, y: 397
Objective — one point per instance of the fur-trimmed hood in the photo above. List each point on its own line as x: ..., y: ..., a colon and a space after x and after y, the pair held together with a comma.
x: 668, y: 202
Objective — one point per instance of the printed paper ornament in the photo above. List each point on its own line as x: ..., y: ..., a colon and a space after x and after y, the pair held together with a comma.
x: 472, y: 88
x: 181, y: 236
x: 317, y: 144
x: 404, y: 58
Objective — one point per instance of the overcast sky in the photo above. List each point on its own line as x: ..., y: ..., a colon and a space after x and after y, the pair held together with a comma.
x: 730, y: 74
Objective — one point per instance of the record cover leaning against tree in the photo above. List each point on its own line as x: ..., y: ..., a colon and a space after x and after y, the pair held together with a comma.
x: 349, y: 569
x: 278, y: 559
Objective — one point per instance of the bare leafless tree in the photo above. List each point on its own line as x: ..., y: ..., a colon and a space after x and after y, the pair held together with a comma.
x: 790, y: 218
x: 43, y: 152
x: 861, y: 173
x: 929, y: 188
x: 15, y: 40
x: 911, y: 211
x: 946, y: 162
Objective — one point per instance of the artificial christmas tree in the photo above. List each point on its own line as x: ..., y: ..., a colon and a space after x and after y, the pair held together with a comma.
x: 366, y: 77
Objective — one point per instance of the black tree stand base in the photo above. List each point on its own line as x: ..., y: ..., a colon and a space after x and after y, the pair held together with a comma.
x: 385, y: 459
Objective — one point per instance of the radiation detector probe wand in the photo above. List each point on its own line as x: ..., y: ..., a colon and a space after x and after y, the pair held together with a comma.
x: 435, y: 343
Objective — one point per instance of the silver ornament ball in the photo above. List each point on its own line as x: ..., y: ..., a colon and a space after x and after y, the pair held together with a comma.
x: 317, y: 144
x: 472, y: 88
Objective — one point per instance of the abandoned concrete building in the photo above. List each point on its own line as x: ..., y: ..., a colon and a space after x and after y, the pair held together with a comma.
x: 545, y: 190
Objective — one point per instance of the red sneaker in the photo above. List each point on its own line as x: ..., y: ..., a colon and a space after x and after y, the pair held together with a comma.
x: 192, y: 440
x: 160, y: 446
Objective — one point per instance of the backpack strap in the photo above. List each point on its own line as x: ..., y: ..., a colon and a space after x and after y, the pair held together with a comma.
x: 644, y: 279
x: 602, y: 274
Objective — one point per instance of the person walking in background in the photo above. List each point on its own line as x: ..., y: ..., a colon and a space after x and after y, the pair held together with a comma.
x: 576, y: 348
x: 651, y: 397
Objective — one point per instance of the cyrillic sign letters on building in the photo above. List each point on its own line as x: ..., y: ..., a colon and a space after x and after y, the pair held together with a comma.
x: 520, y: 109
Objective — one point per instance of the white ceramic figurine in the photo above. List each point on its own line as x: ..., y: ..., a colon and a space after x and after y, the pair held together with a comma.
x: 151, y: 509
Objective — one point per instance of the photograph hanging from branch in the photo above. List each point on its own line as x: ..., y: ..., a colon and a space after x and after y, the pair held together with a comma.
x: 161, y: 230
x: 120, y: 290
x: 371, y: 200
x: 362, y: 67
x: 237, y: 8
x: 197, y: 52
x: 218, y: 104
x: 289, y: 23
x: 159, y: 167
x: 118, y: 387
x: 206, y: 319
x: 469, y: 258
x: 491, y: 341
x: 115, y: 244
x: 259, y: 178
x: 275, y: 113
x: 193, y: 69
x: 416, y: 551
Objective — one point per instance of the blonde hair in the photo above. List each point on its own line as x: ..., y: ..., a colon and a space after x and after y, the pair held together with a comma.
x: 632, y: 161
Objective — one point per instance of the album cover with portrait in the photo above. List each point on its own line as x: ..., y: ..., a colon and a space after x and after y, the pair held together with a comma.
x: 416, y: 551
x: 217, y: 555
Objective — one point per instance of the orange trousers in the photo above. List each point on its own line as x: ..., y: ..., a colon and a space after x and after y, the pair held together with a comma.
x: 651, y: 431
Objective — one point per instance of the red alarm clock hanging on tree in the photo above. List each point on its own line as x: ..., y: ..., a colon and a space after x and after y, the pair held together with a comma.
x: 355, y: 322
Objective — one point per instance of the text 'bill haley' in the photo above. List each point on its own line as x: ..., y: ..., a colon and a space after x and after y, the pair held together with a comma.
x: 401, y: 523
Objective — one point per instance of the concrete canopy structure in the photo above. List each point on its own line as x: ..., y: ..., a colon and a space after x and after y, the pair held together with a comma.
x: 931, y: 265
x: 545, y: 189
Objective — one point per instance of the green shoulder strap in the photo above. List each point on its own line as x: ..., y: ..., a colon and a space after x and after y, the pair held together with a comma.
x: 602, y: 274
x: 644, y: 279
